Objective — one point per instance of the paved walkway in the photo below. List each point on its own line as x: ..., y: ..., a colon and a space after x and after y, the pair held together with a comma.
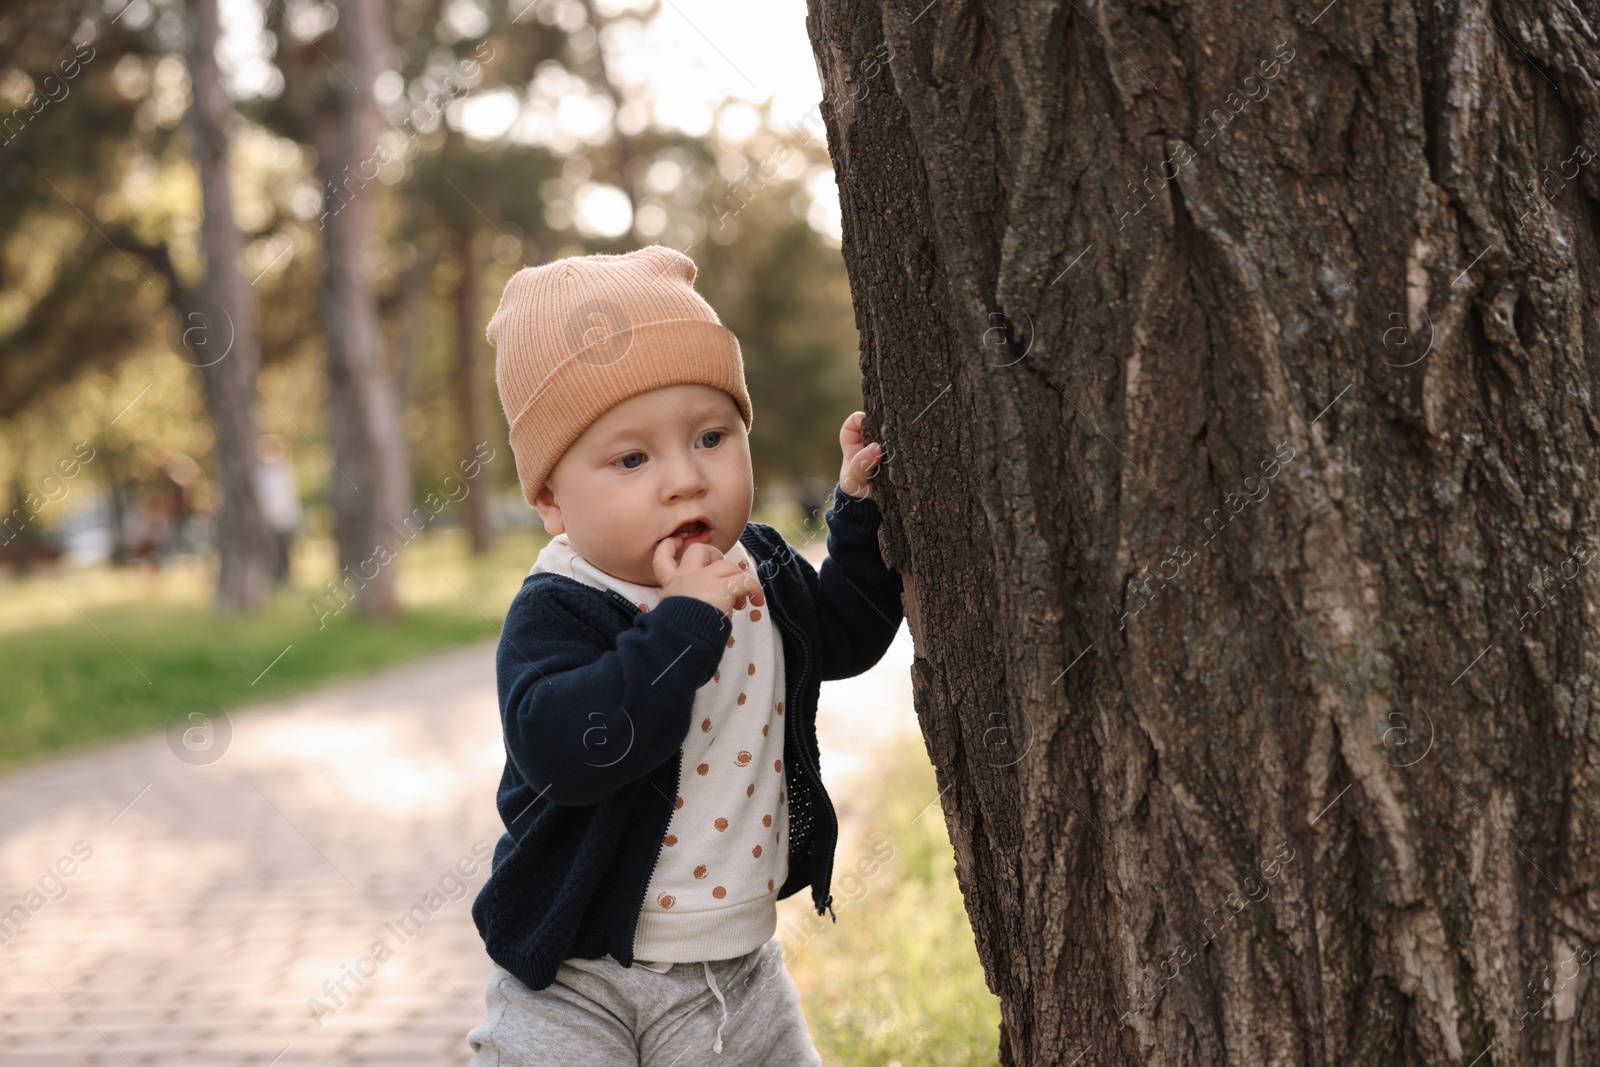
x: 230, y: 913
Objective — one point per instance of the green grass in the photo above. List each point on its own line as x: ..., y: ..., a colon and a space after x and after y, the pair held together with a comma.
x: 896, y: 981
x: 96, y: 652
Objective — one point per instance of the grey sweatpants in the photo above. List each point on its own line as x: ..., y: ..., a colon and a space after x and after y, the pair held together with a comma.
x: 742, y: 1012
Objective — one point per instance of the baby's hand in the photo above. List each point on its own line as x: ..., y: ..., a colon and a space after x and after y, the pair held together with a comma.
x: 705, y: 574
x: 860, y: 463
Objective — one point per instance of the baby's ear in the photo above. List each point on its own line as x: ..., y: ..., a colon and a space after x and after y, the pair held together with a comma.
x: 549, y: 511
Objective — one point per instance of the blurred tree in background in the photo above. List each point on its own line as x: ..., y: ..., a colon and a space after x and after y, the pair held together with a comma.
x: 221, y: 316
x: 473, y: 168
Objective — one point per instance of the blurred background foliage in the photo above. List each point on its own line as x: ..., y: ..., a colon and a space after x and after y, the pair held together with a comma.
x: 515, y: 133
x: 543, y: 151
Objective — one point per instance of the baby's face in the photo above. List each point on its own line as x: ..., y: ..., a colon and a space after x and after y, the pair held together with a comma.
x: 642, y: 470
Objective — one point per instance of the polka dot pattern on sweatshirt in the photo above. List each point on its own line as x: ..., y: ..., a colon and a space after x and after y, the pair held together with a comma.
x: 723, y: 849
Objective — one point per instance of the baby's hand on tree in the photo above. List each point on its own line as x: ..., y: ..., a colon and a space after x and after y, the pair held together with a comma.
x: 860, y: 461
x: 705, y: 574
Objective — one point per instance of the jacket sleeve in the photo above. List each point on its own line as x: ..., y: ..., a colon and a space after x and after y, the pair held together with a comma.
x: 581, y: 719
x: 857, y: 594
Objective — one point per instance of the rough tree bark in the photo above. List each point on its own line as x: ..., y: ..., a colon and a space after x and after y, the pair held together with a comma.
x: 1236, y: 367
x: 219, y: 335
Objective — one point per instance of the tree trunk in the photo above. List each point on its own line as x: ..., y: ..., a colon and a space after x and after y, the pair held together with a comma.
x: 469, y: 394
x: 114, y: 474
x: 415, y: 282
x: 219, y: 336
x: 370, y: 483
x: 1238, y: 394
x: 628, y: 172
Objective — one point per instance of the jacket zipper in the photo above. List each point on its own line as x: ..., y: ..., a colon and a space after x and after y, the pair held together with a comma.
x: 806, y: 765
x: 661, y: 830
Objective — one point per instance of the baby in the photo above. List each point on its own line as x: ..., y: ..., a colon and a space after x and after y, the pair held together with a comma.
x: 658, y: 675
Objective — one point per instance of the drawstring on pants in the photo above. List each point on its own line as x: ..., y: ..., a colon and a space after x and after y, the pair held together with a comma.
x: 712, y: 981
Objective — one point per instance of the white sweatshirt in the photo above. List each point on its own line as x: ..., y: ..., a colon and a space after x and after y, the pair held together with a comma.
x: 713, y: 893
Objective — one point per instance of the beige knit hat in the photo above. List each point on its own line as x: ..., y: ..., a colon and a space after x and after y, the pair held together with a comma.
x: 575, y: 337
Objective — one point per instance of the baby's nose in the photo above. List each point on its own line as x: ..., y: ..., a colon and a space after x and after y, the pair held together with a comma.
x: 683, y: 473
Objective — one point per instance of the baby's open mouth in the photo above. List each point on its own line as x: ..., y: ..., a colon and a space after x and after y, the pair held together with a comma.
x: 693, y: 532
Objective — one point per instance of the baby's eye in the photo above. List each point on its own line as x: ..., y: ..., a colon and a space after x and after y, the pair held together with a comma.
x: 625, y: 465
x: 718, y: 434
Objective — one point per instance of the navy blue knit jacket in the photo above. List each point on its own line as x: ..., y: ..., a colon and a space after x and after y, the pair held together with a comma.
x: 596, y: 699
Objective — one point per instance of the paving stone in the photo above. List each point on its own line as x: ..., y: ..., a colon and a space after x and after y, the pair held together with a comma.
x: 217, y: 899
